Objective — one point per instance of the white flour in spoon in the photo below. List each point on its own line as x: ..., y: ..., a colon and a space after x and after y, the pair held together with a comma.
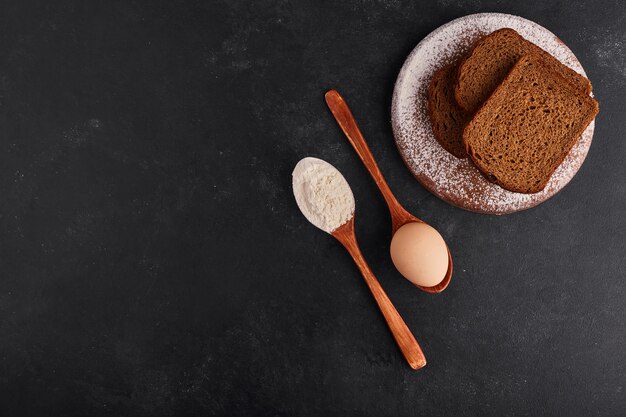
x: 322, y: 193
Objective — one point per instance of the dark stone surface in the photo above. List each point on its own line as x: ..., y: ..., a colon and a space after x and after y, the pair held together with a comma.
x: 153, y: 261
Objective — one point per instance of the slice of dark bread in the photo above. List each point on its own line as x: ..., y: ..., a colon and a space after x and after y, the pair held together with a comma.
x: 491, y: 59
x: 447, y: 118
x: 526, y: 128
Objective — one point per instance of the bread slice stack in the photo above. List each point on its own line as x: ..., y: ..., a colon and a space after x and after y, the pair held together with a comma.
x: 515, y: 110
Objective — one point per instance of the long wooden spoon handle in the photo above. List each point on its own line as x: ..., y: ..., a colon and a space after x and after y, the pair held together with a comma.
x: 404, y: 338
x: 344, y: 117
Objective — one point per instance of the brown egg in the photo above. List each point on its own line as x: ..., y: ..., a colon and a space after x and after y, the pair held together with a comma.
x: 420, y: 254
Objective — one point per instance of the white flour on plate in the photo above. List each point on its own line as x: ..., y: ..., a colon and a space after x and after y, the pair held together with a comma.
x: 455, y: 180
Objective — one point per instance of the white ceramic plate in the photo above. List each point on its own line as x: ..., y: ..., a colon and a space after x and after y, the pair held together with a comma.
x: 455, y: 180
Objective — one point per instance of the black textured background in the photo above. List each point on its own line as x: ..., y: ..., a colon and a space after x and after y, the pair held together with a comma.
x: 153, y: 261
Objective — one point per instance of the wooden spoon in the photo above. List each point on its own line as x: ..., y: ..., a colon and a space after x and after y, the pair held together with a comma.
x: 399, y: 216
x: 345, y: 234
x: 404, y: 338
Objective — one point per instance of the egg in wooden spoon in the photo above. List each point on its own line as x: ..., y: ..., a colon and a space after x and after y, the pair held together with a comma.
x: 417, y: 250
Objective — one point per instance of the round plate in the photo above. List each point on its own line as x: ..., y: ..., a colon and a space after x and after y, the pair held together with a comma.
x: 455, y: 180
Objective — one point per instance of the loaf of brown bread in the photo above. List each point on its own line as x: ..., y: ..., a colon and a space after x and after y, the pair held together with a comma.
x: 447, y: 119
x: 526, y: 128
x: 490, y: 61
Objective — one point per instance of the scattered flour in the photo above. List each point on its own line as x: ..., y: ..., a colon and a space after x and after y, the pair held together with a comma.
x: 322, y: 193
x: 454, y: 180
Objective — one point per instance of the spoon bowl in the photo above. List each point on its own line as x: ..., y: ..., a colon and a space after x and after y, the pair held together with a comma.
x: 399, y: 215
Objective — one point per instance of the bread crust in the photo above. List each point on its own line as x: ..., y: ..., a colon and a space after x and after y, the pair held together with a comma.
x: 574, y: 78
